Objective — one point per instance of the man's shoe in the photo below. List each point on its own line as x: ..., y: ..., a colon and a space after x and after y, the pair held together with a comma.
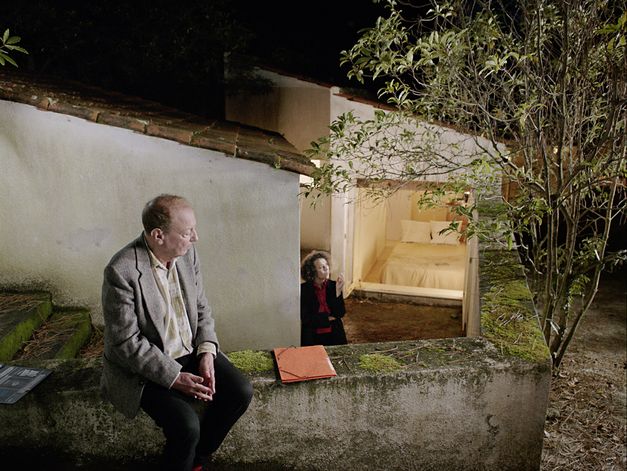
x: 202, y: 464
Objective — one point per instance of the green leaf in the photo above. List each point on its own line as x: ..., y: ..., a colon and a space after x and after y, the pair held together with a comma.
x: 5, y: 37
x: 13, y: 40
x: 4, y: 57
x: 17, y: 48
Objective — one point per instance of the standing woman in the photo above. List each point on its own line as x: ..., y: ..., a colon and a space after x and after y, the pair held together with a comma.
x: 321, y: 303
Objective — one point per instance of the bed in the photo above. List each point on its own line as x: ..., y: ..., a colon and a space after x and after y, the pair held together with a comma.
x: 425, y: 265
x: 429, y: 255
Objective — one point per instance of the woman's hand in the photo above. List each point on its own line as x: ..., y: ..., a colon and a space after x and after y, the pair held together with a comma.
x: 339, y: 285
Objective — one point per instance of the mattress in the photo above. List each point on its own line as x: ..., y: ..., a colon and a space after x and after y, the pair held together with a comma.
x: 425, y: 266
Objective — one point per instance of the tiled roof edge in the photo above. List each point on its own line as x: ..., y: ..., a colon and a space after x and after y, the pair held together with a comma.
x: 153, y: 119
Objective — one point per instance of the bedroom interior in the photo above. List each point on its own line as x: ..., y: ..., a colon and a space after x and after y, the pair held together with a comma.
x: 405, y: 255
x: 409, y: 279
x: 413, y: 251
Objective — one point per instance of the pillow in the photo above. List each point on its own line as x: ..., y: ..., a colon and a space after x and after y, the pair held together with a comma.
x: 447, y: 238
x: 415, y: 231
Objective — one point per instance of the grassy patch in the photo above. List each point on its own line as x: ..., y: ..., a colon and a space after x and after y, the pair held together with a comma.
x: 508, y: 320
x: 379, y: 362
x: 249, y: 360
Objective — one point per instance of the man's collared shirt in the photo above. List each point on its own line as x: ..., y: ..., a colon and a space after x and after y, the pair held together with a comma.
x: 178, y: 332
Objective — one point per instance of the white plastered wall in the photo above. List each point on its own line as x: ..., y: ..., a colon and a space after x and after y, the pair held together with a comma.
x: 345, y: 239
x: 399, y: 207
x: 71, y: 195
x: 315, y: 223
x: 370, y: 235
x: 298, y: 110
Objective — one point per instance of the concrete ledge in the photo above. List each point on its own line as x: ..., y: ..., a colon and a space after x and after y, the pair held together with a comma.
x: 445, y: 404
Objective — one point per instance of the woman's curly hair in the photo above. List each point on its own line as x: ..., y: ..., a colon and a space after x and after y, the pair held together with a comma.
x: 307, y: 268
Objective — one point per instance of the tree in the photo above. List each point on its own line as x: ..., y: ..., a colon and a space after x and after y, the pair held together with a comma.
x: 542, y: 85
x: 9, y: 44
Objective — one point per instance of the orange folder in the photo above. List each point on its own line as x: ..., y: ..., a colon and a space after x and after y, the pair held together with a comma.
x: 303, y: 363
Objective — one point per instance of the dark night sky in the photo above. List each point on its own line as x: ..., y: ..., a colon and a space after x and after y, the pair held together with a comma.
x: 308, y: 35
x: 171, y: 52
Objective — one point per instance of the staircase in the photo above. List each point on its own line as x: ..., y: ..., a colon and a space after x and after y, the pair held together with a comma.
x: 32, y: 328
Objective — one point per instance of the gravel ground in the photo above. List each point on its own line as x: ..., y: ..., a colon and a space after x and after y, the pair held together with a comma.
x: 585, y: 427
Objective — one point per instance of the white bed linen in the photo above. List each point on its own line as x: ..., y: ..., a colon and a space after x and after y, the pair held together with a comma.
x: 425, y: 265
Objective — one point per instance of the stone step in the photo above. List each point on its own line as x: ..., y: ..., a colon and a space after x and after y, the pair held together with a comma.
x: 21, y: 313
x: 60, y: 337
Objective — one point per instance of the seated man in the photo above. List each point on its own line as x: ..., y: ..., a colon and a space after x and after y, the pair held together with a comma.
x: 161, y: 352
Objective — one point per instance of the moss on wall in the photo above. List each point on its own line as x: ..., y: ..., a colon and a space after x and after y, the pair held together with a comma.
x: 379, y: 362
x: 26, y: 316
x: 508, y: 317
x: 79, y: 325
x: 249, y: 360
x: 508, y: 321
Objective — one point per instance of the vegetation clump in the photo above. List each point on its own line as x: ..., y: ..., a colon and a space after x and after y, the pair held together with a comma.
x: 379, y: 362
x: 249, y: 360
x: 508, y: 320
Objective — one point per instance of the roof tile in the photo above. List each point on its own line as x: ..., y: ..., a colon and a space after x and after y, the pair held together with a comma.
x: 122, y: 121
x: 151, y: 118
x: 85, y: 112
x: 211, y: 139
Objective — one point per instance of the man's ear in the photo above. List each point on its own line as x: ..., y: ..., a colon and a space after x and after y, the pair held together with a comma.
x: 157, y: 235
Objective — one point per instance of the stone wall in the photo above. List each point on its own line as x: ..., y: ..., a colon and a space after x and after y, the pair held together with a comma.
x: 432, y: 404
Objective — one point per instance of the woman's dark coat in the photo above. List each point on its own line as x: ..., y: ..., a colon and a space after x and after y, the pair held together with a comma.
x: 311, y: 320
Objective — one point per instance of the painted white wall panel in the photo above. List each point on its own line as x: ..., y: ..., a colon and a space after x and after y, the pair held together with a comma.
x: 71, y: 195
